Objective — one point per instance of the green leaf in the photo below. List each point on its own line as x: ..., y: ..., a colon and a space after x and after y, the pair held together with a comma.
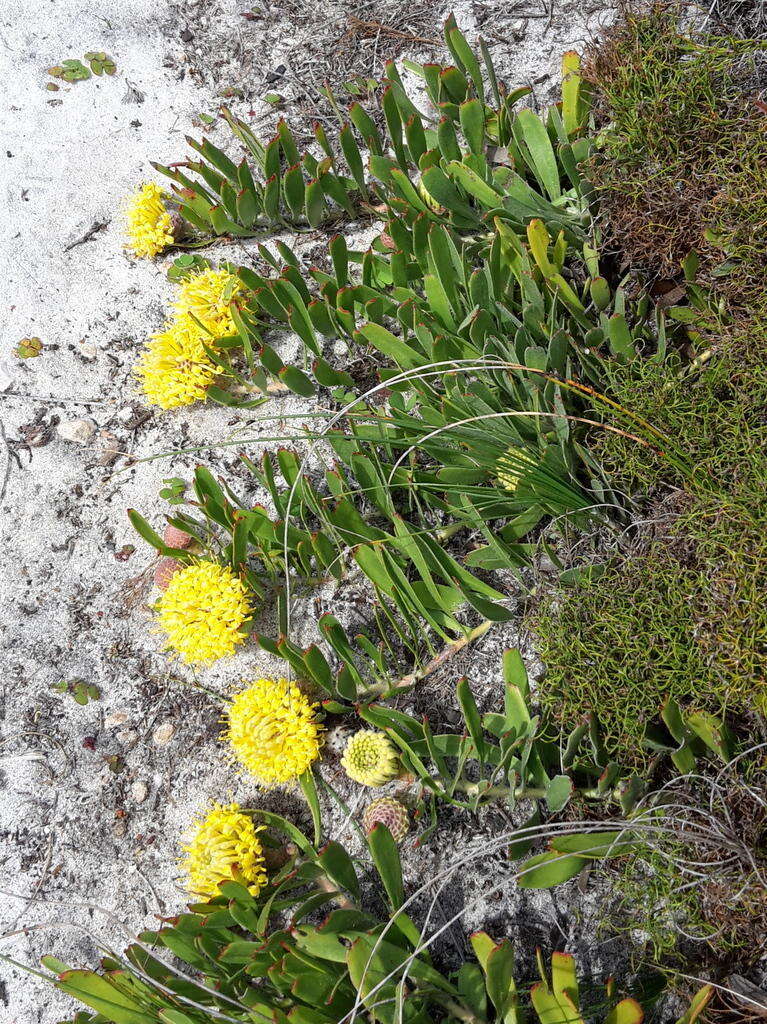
x: 621, y: 341
x: 572, y: 107
x: 352, y: 155
x: 471, y: 715
x: 564, y: 981
x: 386, y: 859
x: 366, y: 127
x: 472, y: 116
x: 539, y: 240
x: 142, y: 527
x: 553, y: 1009
x: 471, y: 987
x: 514, y: 671
x: 713, y: 732
x: 548, y: 869
x: 462, y: 52
x: 392, y: 347
x: 297, y: 381
x: 309, y: 789
x: 600, y: 292
x: 700, y: 1001
x: 544, y: 160
x: 315, y: 203
x: 339, y: 867
x: 558, y: 792
x: 102, y: 996
x: 628, y: 1011
x: 500, y: 982
x: 169, y: 1016
x: 474, y: 185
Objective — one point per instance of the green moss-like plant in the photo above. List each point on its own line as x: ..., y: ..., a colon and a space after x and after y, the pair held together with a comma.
x: 682, y: 183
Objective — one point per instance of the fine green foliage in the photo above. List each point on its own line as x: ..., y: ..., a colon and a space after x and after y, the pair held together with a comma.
x: 683, y: 153
x: 718, y: 538
x: 680, y: 613
x: 265, y: 959
x: 624, y: 643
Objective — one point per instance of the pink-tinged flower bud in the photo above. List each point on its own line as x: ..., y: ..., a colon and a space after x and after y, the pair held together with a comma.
x: 390, y: 812
x: 176, y: 538
x: 165, y: 570
x: 178, y: 226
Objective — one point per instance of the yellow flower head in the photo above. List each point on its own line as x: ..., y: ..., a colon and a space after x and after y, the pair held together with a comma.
x: 225, y: 848
x: 174, y: 368
x: 370, y: 758
x: 208, y: 295
x: 150, y: 228
x: 202, y: 612
x: 273, y: 730
x: 511, y: 468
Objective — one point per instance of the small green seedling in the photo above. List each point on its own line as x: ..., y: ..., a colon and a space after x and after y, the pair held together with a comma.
x: 173, y: 492
x: 73, y: 70
x: 70, y: 71
x: 28, y: 348
x: 101, y: 63
x: 79, y: 689
x: 185, y: 265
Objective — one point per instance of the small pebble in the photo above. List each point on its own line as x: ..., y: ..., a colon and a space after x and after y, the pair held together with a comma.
x: 519, y: 30
x: 162, y: 734
x: 115, y: 719
x: 79, y: 431
x: 139, y: 791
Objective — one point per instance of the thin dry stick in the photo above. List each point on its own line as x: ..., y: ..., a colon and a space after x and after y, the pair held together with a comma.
x: 372, y: 28
x: 445, y: 655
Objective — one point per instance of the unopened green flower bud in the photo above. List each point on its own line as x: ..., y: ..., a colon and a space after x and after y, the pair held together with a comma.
x: 370, y: 758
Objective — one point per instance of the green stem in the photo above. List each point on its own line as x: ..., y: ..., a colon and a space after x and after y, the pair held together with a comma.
x: 522, y: 792
x: 386, y: 689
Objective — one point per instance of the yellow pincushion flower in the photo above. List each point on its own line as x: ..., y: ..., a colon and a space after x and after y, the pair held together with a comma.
x: 202, y: 612
x: 273, y: 730
x: 511, y: 468
x: 150, y: 228
x: 225, y: 848
x: 174, y: 368
x: 207, y: 295
x: 370, y: 758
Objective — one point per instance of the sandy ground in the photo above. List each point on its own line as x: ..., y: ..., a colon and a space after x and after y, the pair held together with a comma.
x: 94, y: 798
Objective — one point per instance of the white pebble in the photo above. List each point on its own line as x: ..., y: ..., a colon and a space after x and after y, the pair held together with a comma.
x: 139, y: 791
x: 79, y: 431
x: 163, y: 733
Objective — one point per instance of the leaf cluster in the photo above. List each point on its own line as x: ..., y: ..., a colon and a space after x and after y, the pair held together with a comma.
x: 483, y: 309
x: 266, y: 959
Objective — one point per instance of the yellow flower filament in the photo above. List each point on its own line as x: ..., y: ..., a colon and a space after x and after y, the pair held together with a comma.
x: 273, y: 731
x: 225, y: 848
x: 202, y: 612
